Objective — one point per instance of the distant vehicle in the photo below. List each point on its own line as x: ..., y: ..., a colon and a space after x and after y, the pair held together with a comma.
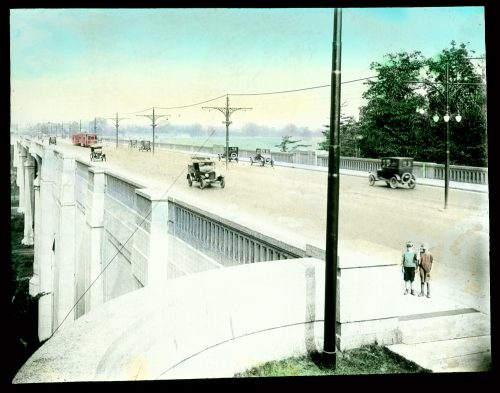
x: 395, y: 171
x: 145, y: 146
x: 96, y: 153
x: 52, y: 140
x: 233, y: 154
x: 262, y: 157
x: 132, y: 143
x: 85, y: 139
x: 202, y: 170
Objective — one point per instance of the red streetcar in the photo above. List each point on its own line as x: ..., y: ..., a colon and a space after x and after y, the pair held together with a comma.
x: 84, y: 139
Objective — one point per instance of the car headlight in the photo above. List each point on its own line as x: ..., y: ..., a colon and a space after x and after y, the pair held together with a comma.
x: 206, y: 174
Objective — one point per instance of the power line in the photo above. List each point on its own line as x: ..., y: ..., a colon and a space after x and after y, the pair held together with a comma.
x: 128, y: 239
x: 227, y: 112
x: 117, y: 119
x: 249, y: 94
x: 295, y: 90
x: 131, y: 113
x: 187, y: 106
x: 153, y: 124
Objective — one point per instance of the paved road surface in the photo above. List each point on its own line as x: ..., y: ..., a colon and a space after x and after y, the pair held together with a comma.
x: 290, y: 204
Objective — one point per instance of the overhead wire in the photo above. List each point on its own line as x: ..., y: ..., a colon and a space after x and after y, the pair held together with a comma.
x: 128, y: 239
x: 178, y: 176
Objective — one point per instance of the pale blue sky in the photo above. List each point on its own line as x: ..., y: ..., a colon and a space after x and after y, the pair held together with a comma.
x: 72, y: 64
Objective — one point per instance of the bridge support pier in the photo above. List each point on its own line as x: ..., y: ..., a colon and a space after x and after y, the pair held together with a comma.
x: 64, y: 244
x: 29, y: 200
x: 94, y: 212
x: 34, y: 285
x: 152, y: 235
x: 46, y: 240
x: 21, y: 157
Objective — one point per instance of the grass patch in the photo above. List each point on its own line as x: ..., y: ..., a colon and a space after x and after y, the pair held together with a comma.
x: 372, y: 359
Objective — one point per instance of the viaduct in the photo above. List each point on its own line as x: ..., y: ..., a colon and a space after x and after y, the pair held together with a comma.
x: 134, y: 284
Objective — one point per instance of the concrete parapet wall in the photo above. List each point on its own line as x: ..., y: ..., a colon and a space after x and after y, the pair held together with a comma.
x: 207, y: 325
x: 210, y: 324
x: 367, y: 287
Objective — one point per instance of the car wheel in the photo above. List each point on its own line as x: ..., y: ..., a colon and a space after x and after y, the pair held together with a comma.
x: 371, y: 180
x: 233, y: 156
x: 222, y: 183
x: 411, y: 184
x: 190, y: 182
x: 202, y: 183
x: 406, y: 177
x: 393, y: 182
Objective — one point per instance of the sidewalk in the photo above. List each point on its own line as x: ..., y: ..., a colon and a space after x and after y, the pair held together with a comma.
x: 442, y: 335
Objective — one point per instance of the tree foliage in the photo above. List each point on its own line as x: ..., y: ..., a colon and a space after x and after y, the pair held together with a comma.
x: 389, y: 124
x: 349, y: 137
x: 287, y: 143
x: 454, y: 69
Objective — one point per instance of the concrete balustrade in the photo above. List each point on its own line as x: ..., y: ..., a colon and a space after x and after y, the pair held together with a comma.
x: 425, y: 170
x: 226, y: 242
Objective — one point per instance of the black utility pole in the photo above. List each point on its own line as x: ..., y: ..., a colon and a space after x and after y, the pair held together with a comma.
x: 153, y: 117
x: 332, y: 210
x: 117, y: 119
x: 447, y: 162
x: 227, y: 112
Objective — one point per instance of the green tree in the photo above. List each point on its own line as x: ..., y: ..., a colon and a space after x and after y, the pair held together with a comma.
x: 389, y: 123
x: 467, y: 97
x: 349, y: 137
x: 287, y: 143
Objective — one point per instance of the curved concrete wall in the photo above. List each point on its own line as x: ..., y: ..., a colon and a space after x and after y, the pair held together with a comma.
x: 205, y: 325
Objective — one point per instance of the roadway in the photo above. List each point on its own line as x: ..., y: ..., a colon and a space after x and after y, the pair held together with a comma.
x: 290, y: 204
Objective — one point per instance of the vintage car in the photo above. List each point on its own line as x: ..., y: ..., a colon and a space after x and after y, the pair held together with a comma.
x: 132, y: 143
x: 262, y: 156
x: 395, y: 171
x: 232, y: 154
x: 202, y: 170
x: 52, y: 140
x: 145, y: 146
x: 96, y: 153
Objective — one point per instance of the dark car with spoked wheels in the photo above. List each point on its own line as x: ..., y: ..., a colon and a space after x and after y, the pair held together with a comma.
x: 232, y: 154
x: 395, y: 171
x: 202, y: 171
x: 96, y: 153
x: 262, y: 157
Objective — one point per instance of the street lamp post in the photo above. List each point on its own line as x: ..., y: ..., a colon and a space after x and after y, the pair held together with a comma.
x: 446, y: 118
